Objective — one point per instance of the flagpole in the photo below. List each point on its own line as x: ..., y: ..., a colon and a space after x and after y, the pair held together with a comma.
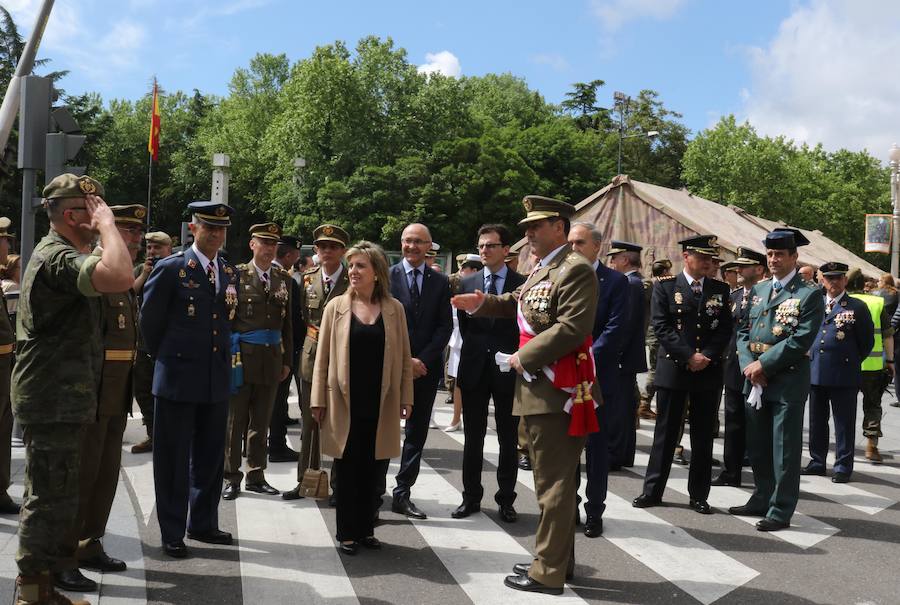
x: 149, y: 186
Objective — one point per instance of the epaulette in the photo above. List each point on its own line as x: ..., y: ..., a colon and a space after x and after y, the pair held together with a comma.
x: 310, y: 271
x: 666, y: 277
x: 242, y: 266
x: 280, y: 271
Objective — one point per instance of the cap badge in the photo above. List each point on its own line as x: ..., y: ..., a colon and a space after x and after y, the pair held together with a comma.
x: 528, y: 205
x: 273, y: 229
x: 220, y: 211
x: 327, y: 230
x: 140, y: 213
x: 713, y: 241
x: 87, y: 186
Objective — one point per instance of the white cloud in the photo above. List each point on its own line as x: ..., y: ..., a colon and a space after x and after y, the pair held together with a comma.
x: 555, y: 61
x: 829, y: 76
x: 444, y: 62
x: 613, y: 14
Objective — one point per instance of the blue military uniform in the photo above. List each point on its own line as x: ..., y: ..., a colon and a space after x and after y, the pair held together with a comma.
x: 185, y: 320
x: 845, y: 340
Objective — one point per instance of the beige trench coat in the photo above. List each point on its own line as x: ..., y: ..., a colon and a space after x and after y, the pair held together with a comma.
x: 331, y: 377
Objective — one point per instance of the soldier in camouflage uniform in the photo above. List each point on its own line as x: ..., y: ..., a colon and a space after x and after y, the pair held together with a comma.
x: 58, y: 335
x: 263, y: 337
x: 319, y: 286
x: 101, y: 444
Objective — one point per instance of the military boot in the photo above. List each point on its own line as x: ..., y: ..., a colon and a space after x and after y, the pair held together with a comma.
x: 872, y: 453
x: 38, y: 590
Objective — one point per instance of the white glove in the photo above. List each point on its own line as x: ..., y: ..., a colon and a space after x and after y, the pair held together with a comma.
x: 755, y: 398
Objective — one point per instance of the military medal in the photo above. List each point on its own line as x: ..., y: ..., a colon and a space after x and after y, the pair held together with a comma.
x: 191, y: 310
x: 777, y: 330
x: 679, y: 299
x: 839, y: 335
x: 714, y: 324
x: 121, y: 319
x: 182, y: 273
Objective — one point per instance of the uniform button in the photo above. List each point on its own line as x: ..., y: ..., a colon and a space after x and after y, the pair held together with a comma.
x: 177, y: 354
x: 215, y: 316
x: 215, y: 332
x: 823, y: 342
x: 821, y: 350
x: 215, y: 349
x: 121, y: 304
x: 698, y: 325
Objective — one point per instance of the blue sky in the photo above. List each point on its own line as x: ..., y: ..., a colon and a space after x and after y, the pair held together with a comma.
x: 814, y: 70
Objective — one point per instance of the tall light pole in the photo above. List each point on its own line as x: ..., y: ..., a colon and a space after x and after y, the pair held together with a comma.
x: 895, y: 203
x: 620, y: 102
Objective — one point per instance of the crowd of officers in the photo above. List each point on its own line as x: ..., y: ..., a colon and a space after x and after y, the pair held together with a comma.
x: 209, y: 350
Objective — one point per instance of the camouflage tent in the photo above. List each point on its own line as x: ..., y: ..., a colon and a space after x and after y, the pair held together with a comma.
x: 658, y: 217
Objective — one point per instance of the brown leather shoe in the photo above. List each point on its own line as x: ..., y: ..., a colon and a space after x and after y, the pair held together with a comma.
x: 872, y: 453
x: 644, y: 411
x: 143, y: 447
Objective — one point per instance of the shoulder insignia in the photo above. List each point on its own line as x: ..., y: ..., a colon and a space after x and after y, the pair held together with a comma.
x: 666, y: 277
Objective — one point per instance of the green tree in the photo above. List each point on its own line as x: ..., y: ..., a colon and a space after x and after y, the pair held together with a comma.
x: 581, y: 103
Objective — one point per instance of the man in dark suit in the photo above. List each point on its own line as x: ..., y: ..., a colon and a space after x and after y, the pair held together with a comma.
x: 751, y: 267
x: 608, y: 334
x: 189, y: 301
x: 848, y: 335
x: 479, y: 378
x: 425, y: 295
x: 693, y: 324
x: 625, y: 258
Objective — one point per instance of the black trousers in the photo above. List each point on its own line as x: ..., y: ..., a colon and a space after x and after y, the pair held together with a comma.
x: 357, y: 478
x: 278, y: 422
x: 424, y: 392
x: 621, y: 413
x: 498, y: 385
x: 735, y: 434
x: 669, y: 409
x: 188, y: 465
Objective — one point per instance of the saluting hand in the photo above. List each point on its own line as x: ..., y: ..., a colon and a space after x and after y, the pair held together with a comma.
x: 468, y: 302
x: 99, y: 213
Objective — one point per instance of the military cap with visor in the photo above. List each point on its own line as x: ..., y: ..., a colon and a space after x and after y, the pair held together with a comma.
x: 266, y: 231
x: 538, y: 208
x: 834, y: 269
x: 785, y: 238
x: 291, y: 241
x: 662, y: 263
x: 701, y: 244
x: 216, y: 214
x: 331, y: 233
x: 619, y: 246
x: 70, y: 185
x: 748, y: 257
x: 730, y: 265
x: 130, y: 214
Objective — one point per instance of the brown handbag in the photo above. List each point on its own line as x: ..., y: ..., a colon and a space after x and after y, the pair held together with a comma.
x: 315, y: 481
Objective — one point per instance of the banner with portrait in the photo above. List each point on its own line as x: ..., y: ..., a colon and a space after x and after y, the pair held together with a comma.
x: 878, y: 233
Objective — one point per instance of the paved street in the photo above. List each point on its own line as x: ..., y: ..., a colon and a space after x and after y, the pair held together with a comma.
x: 842, y: 547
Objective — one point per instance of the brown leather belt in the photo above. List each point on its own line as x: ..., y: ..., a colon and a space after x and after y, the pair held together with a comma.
x: 312, y: 332
x: 119, y: 355
x: 7, y: 349
x: 759, y: 347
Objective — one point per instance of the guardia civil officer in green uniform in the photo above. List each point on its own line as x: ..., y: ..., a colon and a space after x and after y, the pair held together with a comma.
x: 784, y: 318
x: 555, y: 309
x: 262, y: 336
x: 101, y: 443
x: 59, y: 336
x: 318, y: 287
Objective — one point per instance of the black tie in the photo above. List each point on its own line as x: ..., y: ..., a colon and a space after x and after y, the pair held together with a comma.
x: 414, y: 293
x: 211, y: 274
x: 696, y: 288
x: 492, y: 285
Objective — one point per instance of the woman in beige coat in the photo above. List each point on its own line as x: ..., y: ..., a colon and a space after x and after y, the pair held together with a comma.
x: 362, y: 387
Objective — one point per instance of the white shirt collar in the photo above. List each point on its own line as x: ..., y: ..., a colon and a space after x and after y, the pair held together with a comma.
x: 501, y: 273
x: 596, y: 265
x: 334, y: 276
x: 787, y: 278
x: 407, y: 267
x: 837, y: 298
x: 202, y: 258
x: 690, y: 280
x: 549, y: 257
x: 260, y: 272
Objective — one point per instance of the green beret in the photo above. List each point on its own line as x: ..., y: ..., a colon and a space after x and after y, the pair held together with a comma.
x: 158, y: 237
x: 70, y: 185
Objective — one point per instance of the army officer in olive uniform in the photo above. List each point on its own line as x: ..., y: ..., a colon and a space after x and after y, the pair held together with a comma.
x: 785, y: 316
x: 692, y: 321
x: 318, y: 288
x: 263, y: 352
x: 846, y: 339
x: 555, y: 309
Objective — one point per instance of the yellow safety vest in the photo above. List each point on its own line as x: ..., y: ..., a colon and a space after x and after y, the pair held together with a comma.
x: 875, y: 360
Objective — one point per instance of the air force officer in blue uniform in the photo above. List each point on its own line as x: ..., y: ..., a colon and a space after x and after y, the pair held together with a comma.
x: 185, y: 318
x: 846, y: 337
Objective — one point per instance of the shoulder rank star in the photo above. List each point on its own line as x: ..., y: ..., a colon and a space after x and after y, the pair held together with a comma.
x: 192, y: 263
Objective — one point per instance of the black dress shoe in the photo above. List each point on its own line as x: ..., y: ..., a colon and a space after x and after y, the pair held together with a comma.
x: 103, y: 562
x: 176, y: 549
x: 406, y: 507
x: 809, y: 469
x: 348, y: 548
x: 213, y: 536
x: 524, y: 462
x: 285, y: 455
x: 645, y: 501
x: 231, y: 491
x: 508, y: 514
x: 465, y: 509
x: 521, y: 569
x: 74, y: 580
x: 769, y: 524
x: 376, y: 519
x: 746, y: 511
x: 371, y: 542
x: 9, y: 507
x: 593, y: 526
x: 261, y: 488
x: 701, y: 506
x: 527, y: 584
x: 840, y: 477
x: 679, y: 458
x: 724, y: 479
x: 716, y: 462
x: 293, y: 494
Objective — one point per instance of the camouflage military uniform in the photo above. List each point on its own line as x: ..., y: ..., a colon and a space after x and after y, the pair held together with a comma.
x: 58, y: 336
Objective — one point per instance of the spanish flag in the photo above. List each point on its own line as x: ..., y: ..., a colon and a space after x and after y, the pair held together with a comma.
x: 153, y: 143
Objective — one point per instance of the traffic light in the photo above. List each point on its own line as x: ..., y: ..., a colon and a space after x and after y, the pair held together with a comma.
x: 34, y: 122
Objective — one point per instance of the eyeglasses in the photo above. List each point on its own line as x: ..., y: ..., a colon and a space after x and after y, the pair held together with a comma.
x: 488, y: 246
x: 414, y: 242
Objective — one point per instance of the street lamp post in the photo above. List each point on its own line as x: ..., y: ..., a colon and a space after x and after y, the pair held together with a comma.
x: 621, y: 101
x: 895, y: 203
